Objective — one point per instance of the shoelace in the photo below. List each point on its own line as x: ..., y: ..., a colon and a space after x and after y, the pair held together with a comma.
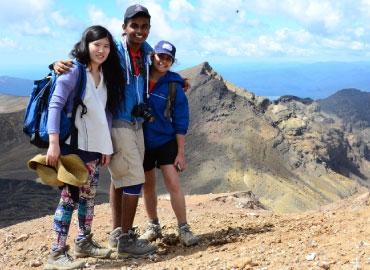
x: 91, y: 242
x: 66, y: 257
x: 95, y: 244
x: 135, y: 232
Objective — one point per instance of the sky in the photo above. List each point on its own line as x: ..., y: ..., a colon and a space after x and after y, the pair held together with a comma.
x: 34, y: 33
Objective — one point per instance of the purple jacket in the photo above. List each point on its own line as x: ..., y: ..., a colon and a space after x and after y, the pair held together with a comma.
x: 63, y: 97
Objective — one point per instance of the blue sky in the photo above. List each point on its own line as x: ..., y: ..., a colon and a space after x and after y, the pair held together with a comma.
x: 35, y: 32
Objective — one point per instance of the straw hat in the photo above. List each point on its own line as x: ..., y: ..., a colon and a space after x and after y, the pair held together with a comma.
x: 69, y: 170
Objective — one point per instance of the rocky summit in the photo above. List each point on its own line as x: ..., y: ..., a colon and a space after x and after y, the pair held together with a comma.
x: 290, y: 153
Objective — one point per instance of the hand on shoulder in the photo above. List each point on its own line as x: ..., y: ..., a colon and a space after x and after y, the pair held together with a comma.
x: 62, y: 66
x: 186, y: 84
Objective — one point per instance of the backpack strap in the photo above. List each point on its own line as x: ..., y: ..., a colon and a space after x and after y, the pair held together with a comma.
x: 170, y: 100
x: 80, y: 86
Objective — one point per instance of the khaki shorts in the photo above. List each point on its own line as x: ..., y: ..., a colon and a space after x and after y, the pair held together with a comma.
x: 126, y: 165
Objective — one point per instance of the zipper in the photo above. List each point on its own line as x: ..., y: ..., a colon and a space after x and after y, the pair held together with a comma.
x: 137, y: 89
x: 156, y: 95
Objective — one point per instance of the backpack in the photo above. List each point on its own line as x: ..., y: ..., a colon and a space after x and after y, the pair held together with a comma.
x: 36, y: 115
x: 170, y: 100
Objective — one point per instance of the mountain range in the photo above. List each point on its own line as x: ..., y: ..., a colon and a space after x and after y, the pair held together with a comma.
x: 294, y: 154
x: 287, y: 155
x: 314, y: 80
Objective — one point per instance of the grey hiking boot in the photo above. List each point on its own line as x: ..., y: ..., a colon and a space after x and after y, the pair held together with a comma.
x: 87, y: 247
x: 153, y: 231
x: 130, y: 246
x: 60, y: 260
x: 113, y: 238
x: 186, y: 236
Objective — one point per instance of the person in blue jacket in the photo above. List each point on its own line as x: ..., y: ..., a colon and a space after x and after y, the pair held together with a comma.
x: 165, y: 142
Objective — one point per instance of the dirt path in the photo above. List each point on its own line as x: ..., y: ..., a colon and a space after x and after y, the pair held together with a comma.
x: 232, y: 237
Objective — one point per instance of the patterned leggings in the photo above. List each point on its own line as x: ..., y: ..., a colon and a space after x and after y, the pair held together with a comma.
x: 64, y: 211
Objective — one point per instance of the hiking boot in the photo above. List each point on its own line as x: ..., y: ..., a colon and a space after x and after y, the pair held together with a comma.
x: 130, y: 246
x: 60, y: 260
x: 87, y: 247
x: 113, y: 238
x: 153, y: 231
x: 186, y: 236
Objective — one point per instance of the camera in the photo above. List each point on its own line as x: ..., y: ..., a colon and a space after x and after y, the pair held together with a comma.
x: 144, y: 111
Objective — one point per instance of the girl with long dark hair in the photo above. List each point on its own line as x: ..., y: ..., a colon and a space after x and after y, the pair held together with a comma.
x: 101, y: 97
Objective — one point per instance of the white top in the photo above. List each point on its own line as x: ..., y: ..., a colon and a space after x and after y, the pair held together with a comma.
x: 93, y: 129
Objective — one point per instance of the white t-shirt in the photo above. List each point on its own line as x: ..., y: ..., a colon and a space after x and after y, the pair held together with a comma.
x: 93, y: 129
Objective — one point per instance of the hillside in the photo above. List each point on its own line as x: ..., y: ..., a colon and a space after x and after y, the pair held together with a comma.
x: 9, y: 104
x: 235, y: 234
x: 292, y: 155
x: 351, y: 105
x: 15, y: 149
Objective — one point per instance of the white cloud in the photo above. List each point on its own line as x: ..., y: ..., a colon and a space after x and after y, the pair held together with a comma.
x: 359, y: 32
x: 59, y: 19
x: 332, y: 43
x: 19, y: 10
x: 179, y: 10
x: 233, y: 28
x: 35, y: 28
x: 97, y: 16
x: 220, y: 11
x: 357, y: 46
x: 261, y: 28
x: 160, y: 26
x: 364, y: 7
x: 316, y: 15
x: 26, y: 17
x: 282, y: 42
x: 65, y: 21
x: 8, y: 43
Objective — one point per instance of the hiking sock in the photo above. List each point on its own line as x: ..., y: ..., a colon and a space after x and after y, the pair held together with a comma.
x: 154, y: 221
x: 182, y: 224
x: 80, y: 237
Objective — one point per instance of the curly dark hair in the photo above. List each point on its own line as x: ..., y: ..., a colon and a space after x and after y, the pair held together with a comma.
x: 114, y: 77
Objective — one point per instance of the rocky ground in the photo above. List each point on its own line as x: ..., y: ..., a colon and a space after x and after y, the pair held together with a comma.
x: 235, y: 234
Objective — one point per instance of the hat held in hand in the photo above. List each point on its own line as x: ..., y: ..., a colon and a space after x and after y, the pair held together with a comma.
x: 69, y: 170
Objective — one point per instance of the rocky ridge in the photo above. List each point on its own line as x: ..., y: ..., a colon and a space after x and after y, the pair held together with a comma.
x: 289, y: 153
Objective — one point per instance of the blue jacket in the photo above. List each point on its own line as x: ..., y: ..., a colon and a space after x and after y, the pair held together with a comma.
x: 136, y: 86
x: 163, y: 130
